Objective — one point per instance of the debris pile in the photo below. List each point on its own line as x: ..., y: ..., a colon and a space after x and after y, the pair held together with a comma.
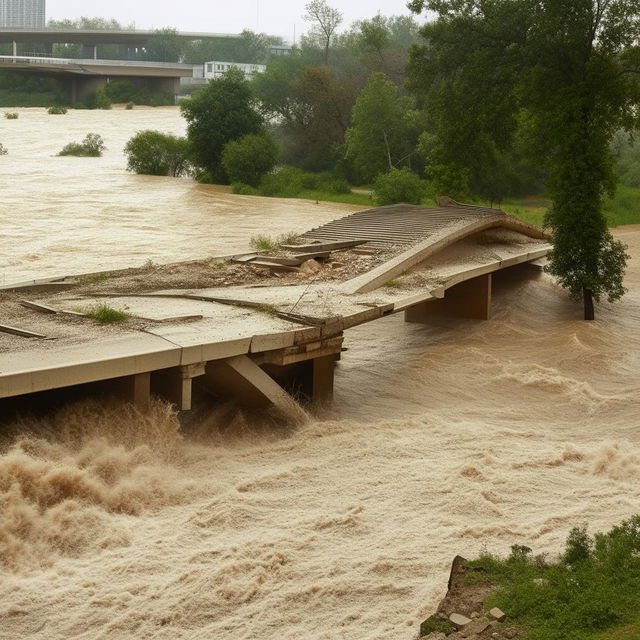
x: 461, y: 614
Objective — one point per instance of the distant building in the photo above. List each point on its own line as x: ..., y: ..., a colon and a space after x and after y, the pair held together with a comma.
x: 23, y: 14
x: 216, y: 68
x: 280, y: 49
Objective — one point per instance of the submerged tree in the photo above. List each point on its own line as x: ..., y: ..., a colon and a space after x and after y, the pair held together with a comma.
x: 561, y: 74
x: 217, y: 114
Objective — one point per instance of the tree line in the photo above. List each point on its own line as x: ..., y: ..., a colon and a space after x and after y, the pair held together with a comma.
x: 488, y: 99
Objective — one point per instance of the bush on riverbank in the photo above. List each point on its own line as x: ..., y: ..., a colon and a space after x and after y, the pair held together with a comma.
x: 91, y: 147
x: 591, y: 592
x: 249, y: 158
x: 11, y: 115
x: 399, y: 185
x: 157, y: 154
x: 57, y: 110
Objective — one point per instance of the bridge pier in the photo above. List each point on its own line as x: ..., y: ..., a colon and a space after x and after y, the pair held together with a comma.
x: 89, y: 52
x: 83, y: 87
x: 469, y: 299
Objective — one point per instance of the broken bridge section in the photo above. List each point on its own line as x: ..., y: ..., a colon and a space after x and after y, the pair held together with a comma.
x: 268, y: 347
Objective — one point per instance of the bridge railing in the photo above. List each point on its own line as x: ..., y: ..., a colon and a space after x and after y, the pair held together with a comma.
x: 43, y: 60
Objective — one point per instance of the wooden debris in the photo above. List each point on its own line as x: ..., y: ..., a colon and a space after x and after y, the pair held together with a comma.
x: 43, y: 308
x: 20, y: 332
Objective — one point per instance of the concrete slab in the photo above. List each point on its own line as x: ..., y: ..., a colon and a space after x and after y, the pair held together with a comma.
x: 39, y: 370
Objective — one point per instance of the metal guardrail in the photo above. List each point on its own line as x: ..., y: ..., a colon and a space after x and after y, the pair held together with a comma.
x: 41, y: 60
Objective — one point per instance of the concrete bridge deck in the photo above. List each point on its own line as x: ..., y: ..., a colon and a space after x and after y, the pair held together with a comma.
x: 258, y: 343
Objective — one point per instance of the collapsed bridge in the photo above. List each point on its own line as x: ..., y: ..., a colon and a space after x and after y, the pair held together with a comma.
x: 265, y: 346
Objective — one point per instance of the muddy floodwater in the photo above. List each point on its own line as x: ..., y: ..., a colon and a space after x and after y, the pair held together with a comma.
x: 62, y: 215
x: 443, y: 440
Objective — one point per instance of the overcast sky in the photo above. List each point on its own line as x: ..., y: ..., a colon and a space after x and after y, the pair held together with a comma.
x: 276, y: 17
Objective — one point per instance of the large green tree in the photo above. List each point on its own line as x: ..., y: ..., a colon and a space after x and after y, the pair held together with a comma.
x: 217, y: 114
x: 560, y: 74
x: 380, y: 139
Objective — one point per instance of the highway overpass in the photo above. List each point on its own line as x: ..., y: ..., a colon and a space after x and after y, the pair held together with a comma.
x: 88, y: 75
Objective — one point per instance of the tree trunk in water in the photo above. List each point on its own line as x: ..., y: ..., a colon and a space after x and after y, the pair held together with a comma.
x: 587, y: 297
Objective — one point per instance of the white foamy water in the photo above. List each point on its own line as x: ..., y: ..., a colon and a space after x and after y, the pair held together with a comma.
x: 75, y: 215
x: 443, y: 440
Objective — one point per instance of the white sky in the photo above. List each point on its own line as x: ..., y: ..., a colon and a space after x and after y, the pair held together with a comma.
x: 276, y: 17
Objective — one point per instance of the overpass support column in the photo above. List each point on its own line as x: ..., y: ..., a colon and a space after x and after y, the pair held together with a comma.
x: 15, y: 48
x: 469, y: 299
x: 89, y: 51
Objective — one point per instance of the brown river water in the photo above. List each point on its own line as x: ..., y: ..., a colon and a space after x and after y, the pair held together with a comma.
x: 443, y: 440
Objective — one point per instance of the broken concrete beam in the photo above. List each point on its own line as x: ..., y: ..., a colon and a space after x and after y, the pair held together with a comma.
x: 459, y: 620
x: 241, y: 378
x: 315, y: 255
x: 498, y: 614
x: 37, y: 306
x: 23, y: 333
x: 273, y: 266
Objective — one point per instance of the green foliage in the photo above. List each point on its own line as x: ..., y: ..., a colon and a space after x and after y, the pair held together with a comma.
x: 242, y: 189
x: 92, y: 146
x: 57, y: 110
x: 399, y: 185
x: 25, y: 89
x: 165, y: 45
x: 590, y: 592
x: 11, y: 115
x: 221, y: 112
x: 127, y: 91
x: 249, y: 47
x: 157, y: 154
x: 486, y: 77
x: 249, y: 158
x: 102, y: 100
x: 435, y: 624
x: 92, y: 278
x: 291, y: 182
x: 380, y: 137
x: 264, y: 243
x: 104, y: 314
x: 129, y: 106
x: 324, y: 22
x: 3, y: 150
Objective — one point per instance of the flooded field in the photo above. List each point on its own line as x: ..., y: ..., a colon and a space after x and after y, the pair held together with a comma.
x: 65, y: 215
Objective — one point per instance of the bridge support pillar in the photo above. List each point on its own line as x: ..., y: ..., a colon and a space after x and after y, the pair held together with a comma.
x: 83, y: 87
x: 89, y: 52
x: 469, y: 299
x: 175, y: 385
x: 135, y: 389
x: 241, y: 378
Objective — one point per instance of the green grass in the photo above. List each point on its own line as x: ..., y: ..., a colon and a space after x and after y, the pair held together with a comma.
x: 271, y: 244
x: 392, y: 283
x: 345, y: 198
x: 92, y: 278
x: 591, y: 593
x: 104, y: 314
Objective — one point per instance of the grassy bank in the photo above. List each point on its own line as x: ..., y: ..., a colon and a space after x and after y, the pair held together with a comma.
x: 592, y: 592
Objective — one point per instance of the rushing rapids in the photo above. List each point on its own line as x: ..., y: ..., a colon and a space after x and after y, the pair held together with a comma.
x: 443, y: 439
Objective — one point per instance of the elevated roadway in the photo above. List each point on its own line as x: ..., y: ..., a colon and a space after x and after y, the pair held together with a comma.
x: 256, y: 344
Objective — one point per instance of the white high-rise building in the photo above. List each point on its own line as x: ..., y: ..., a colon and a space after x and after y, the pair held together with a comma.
x: 23, y: 14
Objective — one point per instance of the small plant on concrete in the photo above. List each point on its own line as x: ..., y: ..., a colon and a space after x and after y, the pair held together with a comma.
x: 91, y: 147
x: 264, y: 243
x: 57, y: 110
x: 393, y: 283
x: 3, y: 150
x: 104, y: 314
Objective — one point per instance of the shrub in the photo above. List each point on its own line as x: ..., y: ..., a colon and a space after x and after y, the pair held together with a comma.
x: 102, y: 100
x: 57, y: 110
x: 399, y: 185
x: 129, y: 106
x: 92, y: 147
x: 249, y: 158
x: 286, y: 183
x: 242, y: 189
x: 3, y: 150
x: 157, y: 154
x: 11, y: 115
